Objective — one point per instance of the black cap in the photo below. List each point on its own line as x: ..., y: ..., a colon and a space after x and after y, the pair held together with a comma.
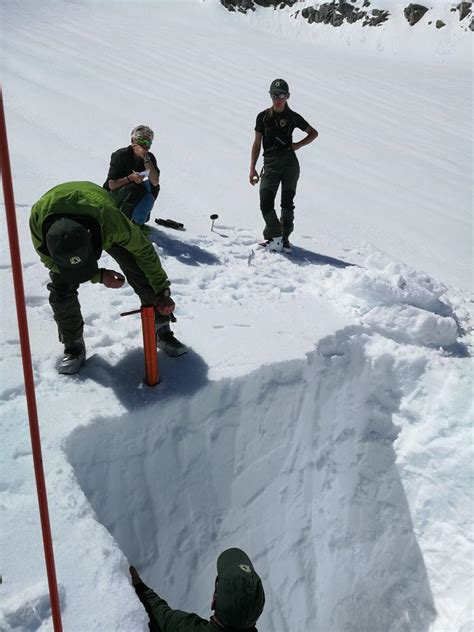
x: 239, y: 592
x: 70, y: 247
x: 279, y: 85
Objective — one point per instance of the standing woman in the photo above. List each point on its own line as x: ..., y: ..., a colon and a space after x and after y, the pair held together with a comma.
x: 280, y: 164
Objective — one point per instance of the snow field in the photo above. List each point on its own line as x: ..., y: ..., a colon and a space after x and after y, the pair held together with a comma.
x: 322, y: 418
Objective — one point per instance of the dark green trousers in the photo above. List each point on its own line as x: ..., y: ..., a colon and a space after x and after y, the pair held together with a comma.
x: 64, y: 300
x: 279, y: 169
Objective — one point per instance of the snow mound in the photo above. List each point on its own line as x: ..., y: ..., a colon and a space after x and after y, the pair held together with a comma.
x: 412, y: 325
x: 28, y: 611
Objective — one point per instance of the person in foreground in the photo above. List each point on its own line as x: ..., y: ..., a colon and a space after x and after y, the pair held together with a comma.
x: 275, y: 127
x: 70, y: 227
x: 134, y: 177
x: 237, y: 601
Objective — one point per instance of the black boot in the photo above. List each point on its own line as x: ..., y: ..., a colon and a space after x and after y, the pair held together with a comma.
x: 165, y: 340
x: 74, y: 357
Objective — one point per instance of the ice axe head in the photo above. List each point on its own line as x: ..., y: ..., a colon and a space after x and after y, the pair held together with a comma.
x: 214, y: 216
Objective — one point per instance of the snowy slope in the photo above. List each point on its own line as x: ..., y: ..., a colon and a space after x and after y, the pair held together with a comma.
x: 322, y: 418
x: 394, y: 37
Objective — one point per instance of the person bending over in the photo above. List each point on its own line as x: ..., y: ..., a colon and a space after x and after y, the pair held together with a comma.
x: 70, y: 227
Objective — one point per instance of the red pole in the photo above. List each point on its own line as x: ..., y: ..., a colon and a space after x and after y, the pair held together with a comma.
x: 152, y: 374
x: 28, y: 369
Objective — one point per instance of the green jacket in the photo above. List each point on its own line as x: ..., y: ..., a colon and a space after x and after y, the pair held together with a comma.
x: 92, y: 203
x: 165, y: 619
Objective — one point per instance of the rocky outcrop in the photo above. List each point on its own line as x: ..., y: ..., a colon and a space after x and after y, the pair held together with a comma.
x: 238, y: 5
x: 465, y: 9
x: 336, y: 12
x: 377, y: 17
x: 244, y: 5
x: 414, y: 13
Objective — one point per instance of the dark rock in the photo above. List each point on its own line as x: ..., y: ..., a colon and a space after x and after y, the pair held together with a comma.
x: 345, y: 9
x: 366, y: 3
x: 238, y: 5
x: 414, y: 13
x: 275, y: 3
x: 244, y: 5
x: 440, y: 24
x: 464, y: 9
x: 378, y: 16
x: 471, y: 25
x: 336, y: 13
x: 354, y: 16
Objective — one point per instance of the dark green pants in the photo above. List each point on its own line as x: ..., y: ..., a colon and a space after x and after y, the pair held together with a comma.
x: 280, y: 169
x: 64, y: 300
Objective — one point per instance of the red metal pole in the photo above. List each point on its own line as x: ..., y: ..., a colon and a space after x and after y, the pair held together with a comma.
x: 28, y: 370
x: 152, y: 374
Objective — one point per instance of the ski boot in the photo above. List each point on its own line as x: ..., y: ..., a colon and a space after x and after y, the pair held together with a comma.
x: 166, y: 341
x: 286, y: 246
x: 273, y: 245
x: 74, y: 357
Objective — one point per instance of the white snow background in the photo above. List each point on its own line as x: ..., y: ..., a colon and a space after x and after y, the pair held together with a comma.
x: 322, y: 418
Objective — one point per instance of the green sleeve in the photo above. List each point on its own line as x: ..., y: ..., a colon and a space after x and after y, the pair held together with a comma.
x: 118, y: 230
x: 167, y: 619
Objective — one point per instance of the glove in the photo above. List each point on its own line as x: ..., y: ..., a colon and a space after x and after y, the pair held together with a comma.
x: 164, y: 303
x: 136, y: 579
x: 112, y: 279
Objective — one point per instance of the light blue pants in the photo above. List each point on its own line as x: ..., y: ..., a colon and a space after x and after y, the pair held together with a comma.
x: 141, y: 212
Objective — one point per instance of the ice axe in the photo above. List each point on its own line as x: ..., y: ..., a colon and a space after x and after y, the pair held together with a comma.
x: 214, y: 216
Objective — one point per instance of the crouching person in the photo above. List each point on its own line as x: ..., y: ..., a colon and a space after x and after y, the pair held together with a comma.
x: 237, y: 601
x: 70, y: 227
x: 134, y: 177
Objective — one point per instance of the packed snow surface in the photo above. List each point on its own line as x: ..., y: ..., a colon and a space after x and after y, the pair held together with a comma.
x: 322, y: 417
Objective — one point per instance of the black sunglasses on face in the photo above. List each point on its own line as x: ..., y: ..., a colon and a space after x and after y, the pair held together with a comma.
x: 278, y: 95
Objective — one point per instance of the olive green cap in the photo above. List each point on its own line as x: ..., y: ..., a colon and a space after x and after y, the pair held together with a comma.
x: 239, y: 592
x: 279, y: 85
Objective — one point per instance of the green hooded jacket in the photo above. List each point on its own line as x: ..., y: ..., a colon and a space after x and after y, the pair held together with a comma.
x: 165, y: 619
x: 91, y: 202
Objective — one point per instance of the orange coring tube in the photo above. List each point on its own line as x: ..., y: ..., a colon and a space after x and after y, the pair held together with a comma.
x: 152, y: 374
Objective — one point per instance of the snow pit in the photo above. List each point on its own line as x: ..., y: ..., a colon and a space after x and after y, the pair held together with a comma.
x: 295, y: 464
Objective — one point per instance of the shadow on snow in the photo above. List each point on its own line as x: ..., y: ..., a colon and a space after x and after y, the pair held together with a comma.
x: 186, y: 253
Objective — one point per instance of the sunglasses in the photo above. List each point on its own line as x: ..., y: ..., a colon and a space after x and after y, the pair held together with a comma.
x: 143, y: 142
x: 279, y: 95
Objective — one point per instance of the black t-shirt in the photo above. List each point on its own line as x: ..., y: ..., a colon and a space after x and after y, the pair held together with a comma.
x: 123, y: 162
x: 277, y: 129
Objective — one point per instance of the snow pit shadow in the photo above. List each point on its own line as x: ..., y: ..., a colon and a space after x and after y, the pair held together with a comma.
x: 179, y: 377
x: 294, y: 463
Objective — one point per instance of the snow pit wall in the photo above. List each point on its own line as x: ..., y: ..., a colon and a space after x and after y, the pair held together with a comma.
x: 293, y: 463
